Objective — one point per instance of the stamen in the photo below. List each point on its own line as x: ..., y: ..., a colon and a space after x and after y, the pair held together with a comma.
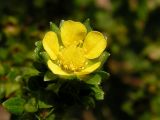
x: 72, y: 58
x: 82, y: 68
x: 61, y: 47
x: 86, y: 63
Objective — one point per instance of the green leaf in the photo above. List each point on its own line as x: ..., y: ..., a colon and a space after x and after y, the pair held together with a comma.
x: 104, y: 75
x: 40, y: 55
x: 49, y: 76
x: 54, y: 27
x: 14, y: 105
x: 38, y: 50
x: 37, y: 55
x: 44, y: 56
x: 94, y: 80
x: 99, y: 94
x: 38, y: 44
x: 11, y: 88
x: 103, y: 58
x: 42, y: 104
x: 87, y: 24
x: 13, y: 74
x: 31, y: 105
x: 30, y: 71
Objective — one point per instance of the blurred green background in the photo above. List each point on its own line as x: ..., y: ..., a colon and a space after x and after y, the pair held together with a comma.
x: 133, y: 31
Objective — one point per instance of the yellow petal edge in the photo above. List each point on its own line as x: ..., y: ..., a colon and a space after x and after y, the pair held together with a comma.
x: 94, y: 44
x: 56, y: 69
x: 89, y: 69
x: 72, y: 32
x: 51, y: 45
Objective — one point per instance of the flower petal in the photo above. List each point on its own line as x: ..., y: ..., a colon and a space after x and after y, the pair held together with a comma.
x: 94, y: 44
x: 56, y: 69
x: 89, y: 69
x: 72, y: 32
x: 51, y: 45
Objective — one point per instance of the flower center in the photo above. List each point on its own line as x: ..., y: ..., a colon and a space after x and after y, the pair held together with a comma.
x: 72, y: 58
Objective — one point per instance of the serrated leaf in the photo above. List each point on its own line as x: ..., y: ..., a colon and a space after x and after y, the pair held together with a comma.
x: 87, y: 24
x: 37, y: 55
x: 39, y: 44
x: 99, y: 94
x: 44, y: 56
x: 94, y: 80
x: 14, y: 105
x: 37, y: 50
x: 39, y: 47
x: 40, y: 55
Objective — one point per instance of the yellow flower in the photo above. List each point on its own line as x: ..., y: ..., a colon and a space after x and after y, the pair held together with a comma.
x: 76, y: 52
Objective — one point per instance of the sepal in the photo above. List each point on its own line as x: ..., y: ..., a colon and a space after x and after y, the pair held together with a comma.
x: 54, y: 27
x: 87, y: 24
